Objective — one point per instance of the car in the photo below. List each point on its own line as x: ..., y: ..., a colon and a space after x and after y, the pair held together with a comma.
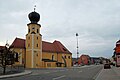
x: 107, y: 66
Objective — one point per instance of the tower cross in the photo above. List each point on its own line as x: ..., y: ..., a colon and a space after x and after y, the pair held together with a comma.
x: 34, y: 8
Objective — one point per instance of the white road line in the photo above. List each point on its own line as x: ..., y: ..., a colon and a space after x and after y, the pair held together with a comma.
x: 55, y: 71
x: 58, y: 77
x: 62, y: 70
x: 98, y: 75
x: 47, y: 72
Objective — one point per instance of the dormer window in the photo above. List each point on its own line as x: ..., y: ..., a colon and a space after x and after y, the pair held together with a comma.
x: 64, y: 49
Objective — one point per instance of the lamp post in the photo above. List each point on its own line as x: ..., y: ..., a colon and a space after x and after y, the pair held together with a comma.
x: 77, y: 45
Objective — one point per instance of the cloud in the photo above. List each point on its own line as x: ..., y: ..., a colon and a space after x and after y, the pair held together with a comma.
x: 96, y: 21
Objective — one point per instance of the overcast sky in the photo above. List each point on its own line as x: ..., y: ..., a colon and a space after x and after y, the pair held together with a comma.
x: 96, y: 21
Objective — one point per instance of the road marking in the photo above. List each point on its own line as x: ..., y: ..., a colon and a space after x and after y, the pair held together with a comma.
x: 58, y: 77
x: 55, y: 71
x: 98, y: 74
x: 47, y: 72
x: 79, y: 71
x: 62, y: 70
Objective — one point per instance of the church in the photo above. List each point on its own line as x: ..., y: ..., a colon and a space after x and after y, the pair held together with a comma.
x: 35, y: 53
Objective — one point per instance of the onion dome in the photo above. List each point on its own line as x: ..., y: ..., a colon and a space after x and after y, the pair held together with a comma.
x: 34, y: 17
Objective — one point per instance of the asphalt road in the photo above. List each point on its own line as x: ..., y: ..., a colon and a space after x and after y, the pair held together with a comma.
x: 75, y: 73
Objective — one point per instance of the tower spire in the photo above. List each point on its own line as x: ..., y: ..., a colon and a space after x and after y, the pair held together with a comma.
x: 34, y: 8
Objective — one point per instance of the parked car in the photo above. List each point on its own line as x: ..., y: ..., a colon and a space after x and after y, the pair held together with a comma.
x: 107, y: 66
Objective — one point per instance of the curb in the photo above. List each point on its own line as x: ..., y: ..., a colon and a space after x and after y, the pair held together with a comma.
x: 16, y: 75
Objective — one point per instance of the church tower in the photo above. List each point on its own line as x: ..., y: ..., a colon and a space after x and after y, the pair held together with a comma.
x: 33, y: 42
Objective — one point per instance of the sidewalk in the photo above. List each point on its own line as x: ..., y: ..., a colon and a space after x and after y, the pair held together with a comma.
x: 109, y: 74
x: 15, y: 75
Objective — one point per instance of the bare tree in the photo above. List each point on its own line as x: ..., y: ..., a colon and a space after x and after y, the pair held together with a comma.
x: 6, y: 57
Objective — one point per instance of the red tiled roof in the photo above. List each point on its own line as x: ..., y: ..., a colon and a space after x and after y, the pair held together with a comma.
x: 18, y: 43
x: 48, y: 47
x: 60, y: 47
x: 85, y: 55
x: 56, y: 46
x: 2, y: 47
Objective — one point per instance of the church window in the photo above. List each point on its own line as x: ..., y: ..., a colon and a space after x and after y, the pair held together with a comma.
x: 37, y: 31
x: 28, y: 37
x: 37, y: 45
x: 65, y: 57
x: 52, y: 57
x: 28, y: 45
x: 68, y: 57
x: 36, y: 54
x: 29, y: 31
x: 64, y: 49
x: 37, y: 38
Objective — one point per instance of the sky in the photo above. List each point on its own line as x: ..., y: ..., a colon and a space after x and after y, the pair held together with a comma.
x: 97, y: 23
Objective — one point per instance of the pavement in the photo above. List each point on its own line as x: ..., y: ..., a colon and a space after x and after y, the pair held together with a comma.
x: 104, y: 74
x: 15, y: 75
x: 109, y: 74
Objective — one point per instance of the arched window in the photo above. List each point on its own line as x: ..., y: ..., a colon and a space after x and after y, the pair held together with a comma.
x: 37, y: 45
x: 52, y: 57
x: 29, y: 31
x: 37, y: 30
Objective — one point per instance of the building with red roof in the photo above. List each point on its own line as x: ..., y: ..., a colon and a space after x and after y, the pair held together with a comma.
x: 117, y: 53
x: 84, y: 60
x: 35, y: 53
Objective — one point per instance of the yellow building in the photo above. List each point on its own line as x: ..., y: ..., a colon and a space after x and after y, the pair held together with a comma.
x: 35, y: 53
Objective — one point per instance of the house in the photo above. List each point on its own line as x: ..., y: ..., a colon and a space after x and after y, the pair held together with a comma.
x: 84, y: 60
x: 117, y: 53
x: 95, y: 60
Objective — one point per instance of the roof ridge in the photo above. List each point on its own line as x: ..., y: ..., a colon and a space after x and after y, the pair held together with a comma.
x: 20, y: 38
x: 47, y: 42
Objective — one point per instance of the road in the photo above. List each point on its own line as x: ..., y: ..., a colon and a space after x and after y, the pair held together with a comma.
x: 75, y: 73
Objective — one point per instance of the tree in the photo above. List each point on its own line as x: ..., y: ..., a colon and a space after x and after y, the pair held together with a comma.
x: 6, y: 57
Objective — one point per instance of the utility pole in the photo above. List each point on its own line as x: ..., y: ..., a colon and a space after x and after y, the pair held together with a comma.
x: 77, y: 46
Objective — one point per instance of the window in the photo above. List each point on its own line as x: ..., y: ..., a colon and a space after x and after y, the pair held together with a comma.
x: 37, y: 31
x: 68, y: 57
x: 37, y: 45
x: 48, y: 64
x: 52, y: 57
x: 28, y: 45
x: 37, y: 38
x: 65, y: 57
x: 29, y: 31
x: 28, y: 37
x: 64, y: 49
x: 36, y: 54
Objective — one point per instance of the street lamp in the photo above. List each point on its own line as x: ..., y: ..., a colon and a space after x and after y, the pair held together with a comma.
x: 77, y: 45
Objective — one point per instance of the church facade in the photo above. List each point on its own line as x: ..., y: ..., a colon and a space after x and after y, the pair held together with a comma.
x: 35, y: 53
